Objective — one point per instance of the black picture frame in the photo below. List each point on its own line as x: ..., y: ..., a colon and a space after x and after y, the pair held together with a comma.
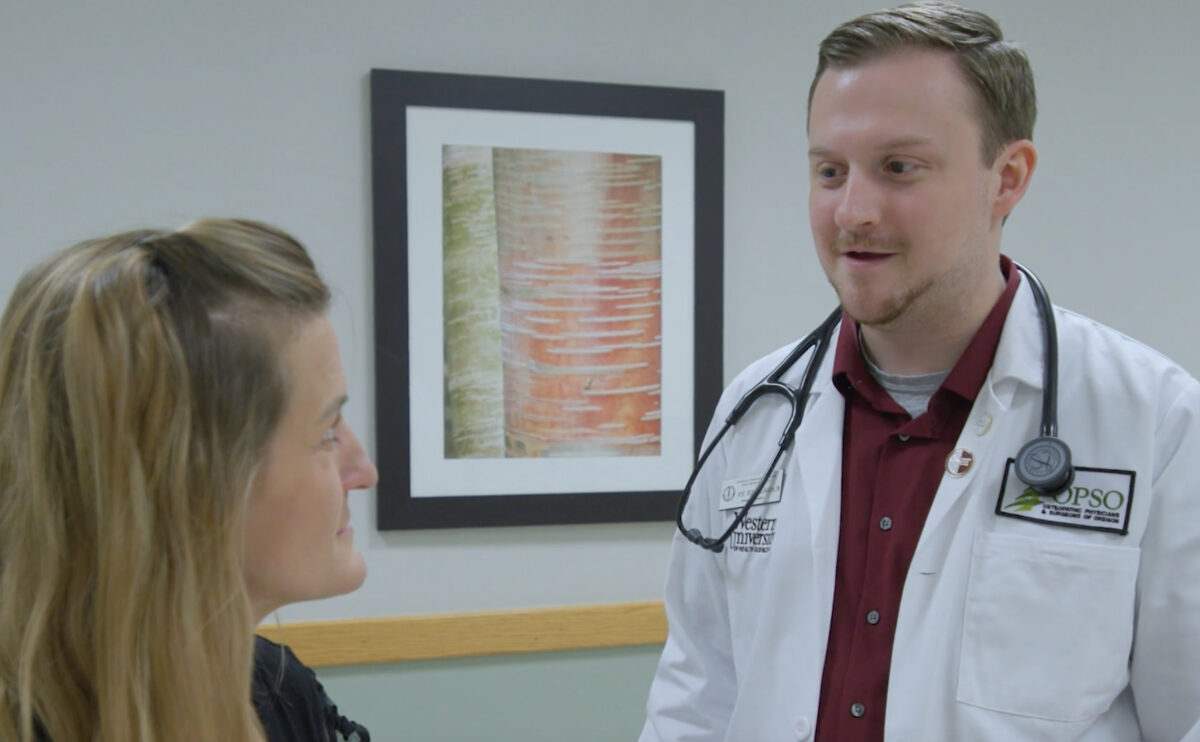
x: 393, y: 96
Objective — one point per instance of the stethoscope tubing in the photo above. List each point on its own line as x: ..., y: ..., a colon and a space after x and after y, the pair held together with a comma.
x: 818, y: 341
x: 1049, y: 426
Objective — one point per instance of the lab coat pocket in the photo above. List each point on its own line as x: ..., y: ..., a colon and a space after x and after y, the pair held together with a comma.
x: 1048, y: 626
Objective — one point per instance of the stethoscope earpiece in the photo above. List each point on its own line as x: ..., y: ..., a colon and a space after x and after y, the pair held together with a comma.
x: 1044, y: 464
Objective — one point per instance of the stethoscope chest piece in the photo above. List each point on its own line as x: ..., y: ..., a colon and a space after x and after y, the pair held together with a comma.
x: 1044, y: 464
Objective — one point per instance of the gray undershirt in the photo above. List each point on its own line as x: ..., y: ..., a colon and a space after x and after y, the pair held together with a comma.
x: 910, y: 392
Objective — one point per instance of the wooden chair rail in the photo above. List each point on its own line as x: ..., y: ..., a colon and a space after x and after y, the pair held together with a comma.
x: 441, y: 636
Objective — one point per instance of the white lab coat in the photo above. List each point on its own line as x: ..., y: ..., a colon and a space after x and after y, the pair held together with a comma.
x: 1007, y: 629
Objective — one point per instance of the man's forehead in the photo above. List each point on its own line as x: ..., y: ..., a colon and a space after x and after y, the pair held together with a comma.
x: 914, y: 84
x: 907, y: 54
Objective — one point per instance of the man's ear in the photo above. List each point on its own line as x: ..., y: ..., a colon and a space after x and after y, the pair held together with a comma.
x: 1015, y: 165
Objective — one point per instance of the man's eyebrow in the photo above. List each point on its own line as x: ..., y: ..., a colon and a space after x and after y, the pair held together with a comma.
x: 897, y: 143
x: 332, y: 408
x: 901, y: 142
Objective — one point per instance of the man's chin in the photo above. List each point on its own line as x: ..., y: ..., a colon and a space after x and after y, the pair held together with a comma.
x: 874, y: 315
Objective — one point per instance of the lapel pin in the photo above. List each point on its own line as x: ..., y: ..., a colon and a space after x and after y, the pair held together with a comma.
x: 959, y: 462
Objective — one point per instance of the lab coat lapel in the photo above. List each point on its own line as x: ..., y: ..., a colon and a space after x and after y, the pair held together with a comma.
x: 822, y: 455
x: 818, y: 451
x: 990, y: 434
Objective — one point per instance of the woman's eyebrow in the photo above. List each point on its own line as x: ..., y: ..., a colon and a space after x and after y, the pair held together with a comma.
x: 332, y: 408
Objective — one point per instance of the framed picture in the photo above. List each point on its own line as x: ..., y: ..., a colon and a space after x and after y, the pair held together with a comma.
x: 548, y: 301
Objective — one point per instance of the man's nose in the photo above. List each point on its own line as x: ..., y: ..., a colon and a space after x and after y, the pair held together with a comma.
x: 860, y: 205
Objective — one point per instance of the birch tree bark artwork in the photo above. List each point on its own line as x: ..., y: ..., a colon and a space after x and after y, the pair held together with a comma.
x: 553, y: 296
x: 473, y: 384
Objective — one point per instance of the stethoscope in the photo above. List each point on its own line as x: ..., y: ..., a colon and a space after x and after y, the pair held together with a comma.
x: 1044, y: 463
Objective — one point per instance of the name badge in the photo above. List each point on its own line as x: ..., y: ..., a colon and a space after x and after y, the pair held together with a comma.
x: 735, y: 492
x: 1098, y: 500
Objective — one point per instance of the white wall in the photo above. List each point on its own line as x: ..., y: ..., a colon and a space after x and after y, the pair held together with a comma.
x: 132, y: 114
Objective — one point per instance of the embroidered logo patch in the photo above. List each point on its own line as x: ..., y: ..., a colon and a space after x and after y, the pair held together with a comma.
x: 754, y: 535
x: 1098, y: 500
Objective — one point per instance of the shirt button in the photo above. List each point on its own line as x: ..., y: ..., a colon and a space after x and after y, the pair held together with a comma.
x: 803, y: 728
x: 885, y: 523
x: 857, y: 710
x: 873, y: 617
x: 902, y: 438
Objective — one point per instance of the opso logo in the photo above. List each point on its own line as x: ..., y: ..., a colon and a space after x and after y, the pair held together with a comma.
x: 1091, y: 498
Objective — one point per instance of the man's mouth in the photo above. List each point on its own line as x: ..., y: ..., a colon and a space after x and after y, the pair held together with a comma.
x: 869, y: 257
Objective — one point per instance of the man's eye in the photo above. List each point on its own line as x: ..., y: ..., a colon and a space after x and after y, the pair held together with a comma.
x: 898, y: 167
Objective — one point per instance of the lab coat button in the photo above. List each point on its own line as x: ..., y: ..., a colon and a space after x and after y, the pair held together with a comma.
x: 873, y: 617
x: 885, y: 523
x: 803, y: 728
x: 857, y: 710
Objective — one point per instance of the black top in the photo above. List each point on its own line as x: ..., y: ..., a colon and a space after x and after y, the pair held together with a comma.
x: 291, y: 703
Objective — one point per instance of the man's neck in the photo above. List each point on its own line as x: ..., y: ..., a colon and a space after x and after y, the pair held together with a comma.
x: 930, y: 344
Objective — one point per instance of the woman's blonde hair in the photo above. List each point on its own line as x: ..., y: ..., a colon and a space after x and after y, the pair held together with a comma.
x: 139, y: 383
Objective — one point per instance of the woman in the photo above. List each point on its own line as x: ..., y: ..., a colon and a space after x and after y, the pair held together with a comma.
x: 173, y: 468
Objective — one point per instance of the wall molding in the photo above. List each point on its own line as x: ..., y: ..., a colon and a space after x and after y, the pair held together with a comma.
x: 442, y: 636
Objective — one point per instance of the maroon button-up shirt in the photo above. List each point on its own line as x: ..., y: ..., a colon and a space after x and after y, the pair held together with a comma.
x: 891, y: 467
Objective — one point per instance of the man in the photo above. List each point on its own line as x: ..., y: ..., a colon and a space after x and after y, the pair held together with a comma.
x: 902, y: 582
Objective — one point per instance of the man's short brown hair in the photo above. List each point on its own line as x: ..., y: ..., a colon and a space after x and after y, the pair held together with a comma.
x: 995, y: 69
